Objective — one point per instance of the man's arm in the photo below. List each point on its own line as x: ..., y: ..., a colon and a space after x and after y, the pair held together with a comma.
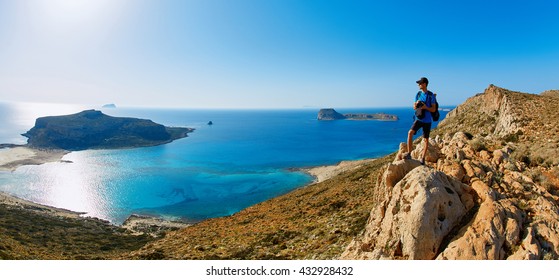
x: 431, y: 109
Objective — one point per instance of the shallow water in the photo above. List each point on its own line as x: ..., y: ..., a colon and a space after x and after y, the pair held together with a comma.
x: 242, y: 159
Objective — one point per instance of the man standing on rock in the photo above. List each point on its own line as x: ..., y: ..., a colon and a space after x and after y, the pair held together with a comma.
x: 424, y: 105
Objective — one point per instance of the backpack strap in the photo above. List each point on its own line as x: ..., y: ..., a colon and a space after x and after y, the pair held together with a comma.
x: 430, y: 95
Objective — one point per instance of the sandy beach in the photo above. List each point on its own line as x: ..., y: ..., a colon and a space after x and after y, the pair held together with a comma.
x: 13, y: 157
x: 323, y: 173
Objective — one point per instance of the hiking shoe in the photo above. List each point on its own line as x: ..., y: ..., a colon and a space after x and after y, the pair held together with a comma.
x: 407, y: 156
x: 422, y: 161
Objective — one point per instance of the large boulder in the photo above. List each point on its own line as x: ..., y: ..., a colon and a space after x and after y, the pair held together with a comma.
x: 494, y: 230
x: 424, y: 207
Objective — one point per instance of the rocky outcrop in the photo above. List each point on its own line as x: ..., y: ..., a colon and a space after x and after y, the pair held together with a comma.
x: 494, y: 111
x: 552, y: 93
x: 409, y: 222
x: 422, y: 209
x: 490, y: 191
x: 92, y: 129
x: 527, y: 120
x: 331, y: 114
x: 153, y: 226
x: 466, y: 204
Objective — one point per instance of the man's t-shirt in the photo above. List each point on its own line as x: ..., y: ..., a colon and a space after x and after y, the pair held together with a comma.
x: 429, y: 100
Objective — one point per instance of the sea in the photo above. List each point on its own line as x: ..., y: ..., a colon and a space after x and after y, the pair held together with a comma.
x: 243, y: 158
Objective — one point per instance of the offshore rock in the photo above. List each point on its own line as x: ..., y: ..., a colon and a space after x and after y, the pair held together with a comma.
x: 331, y: 114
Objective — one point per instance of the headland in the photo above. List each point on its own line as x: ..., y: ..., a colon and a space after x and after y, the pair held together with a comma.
x: 54, y: 136
x: 330, y: 114
x: 92, y: 129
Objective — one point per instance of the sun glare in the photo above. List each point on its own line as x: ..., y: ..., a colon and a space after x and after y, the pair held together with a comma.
x: 61, y: 16
x: 75, y: 11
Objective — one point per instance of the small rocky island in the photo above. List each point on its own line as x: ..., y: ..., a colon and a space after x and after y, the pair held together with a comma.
x: 91, y: 129
x: 330, y: 114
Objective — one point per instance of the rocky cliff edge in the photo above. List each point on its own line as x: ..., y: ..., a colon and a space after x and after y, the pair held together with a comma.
x: 488, y: 191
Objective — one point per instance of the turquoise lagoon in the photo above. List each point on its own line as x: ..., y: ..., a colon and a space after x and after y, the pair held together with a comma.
x: 245, y: 157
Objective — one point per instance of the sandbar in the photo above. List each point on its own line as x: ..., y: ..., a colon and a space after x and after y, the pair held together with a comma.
x: 13, y: 157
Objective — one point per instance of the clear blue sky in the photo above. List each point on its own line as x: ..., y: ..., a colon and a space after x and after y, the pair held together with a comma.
x: 272, y: 53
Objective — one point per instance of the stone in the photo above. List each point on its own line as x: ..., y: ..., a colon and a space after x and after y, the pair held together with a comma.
x: 453, y: 169
x: 423, y: 208
x: 397, y: 170
x: 529, y: 248
x: 486, y: 237
x: 433, y: 151
x: 498, y: 157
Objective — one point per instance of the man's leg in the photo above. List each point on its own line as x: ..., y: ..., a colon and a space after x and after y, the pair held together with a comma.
x: 411, y: 133
x: 416, y: 125
x: 426, y: 133
x: 426, y: 146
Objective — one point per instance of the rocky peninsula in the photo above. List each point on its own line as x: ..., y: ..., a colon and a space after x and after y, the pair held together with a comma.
x: 330, y: 114
x: 91, y: 129
x: 53, y: 137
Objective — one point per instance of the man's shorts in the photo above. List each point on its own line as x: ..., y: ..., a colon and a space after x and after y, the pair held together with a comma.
x: 425, y: 126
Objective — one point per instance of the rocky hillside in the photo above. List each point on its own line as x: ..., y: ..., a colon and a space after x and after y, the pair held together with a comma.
x: 92, y: 129
x: 32, y: 231
x: 527, y: 122
x: 490, y: 190
x: 552, y: 93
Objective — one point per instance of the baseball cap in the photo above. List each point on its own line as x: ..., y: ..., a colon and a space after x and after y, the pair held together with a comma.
x: 422, y: 80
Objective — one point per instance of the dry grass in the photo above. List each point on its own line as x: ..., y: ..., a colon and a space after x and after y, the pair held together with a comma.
x: 314, y: 222
x: 27, y: 234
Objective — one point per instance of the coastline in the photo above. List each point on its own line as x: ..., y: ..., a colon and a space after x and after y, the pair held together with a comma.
x: 13, y: 201
x: 325, y: 172
x: 135, y: 224
x: 14, y: 156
